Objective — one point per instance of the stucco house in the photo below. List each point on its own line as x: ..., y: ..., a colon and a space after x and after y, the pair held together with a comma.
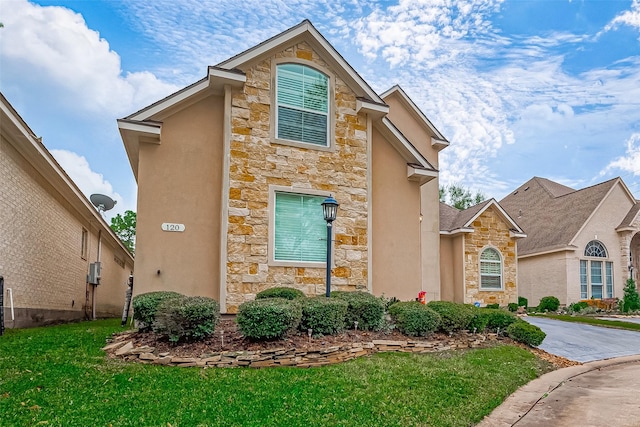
x: 232, y: 171
x: 50, y: 236
x: 580, y: 244
x: 478, y: 254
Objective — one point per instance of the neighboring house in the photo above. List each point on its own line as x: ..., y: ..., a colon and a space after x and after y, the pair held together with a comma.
x: 478, y: 254
x: 233, y: 169
x: 580, y: 244
x: 50, y: 234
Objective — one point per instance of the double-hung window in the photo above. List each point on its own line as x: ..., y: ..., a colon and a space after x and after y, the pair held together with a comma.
x: 596, y: 273
x: 300, y: 231
x: 490, y: 269
x: 302, y: 96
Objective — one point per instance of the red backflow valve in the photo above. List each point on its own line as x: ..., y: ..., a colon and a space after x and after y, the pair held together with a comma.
x: 422, y: 297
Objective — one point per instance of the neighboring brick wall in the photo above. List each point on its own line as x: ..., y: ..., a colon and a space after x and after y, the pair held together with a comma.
x: 40, y: 246
x: 490, y: 230
x: 256, y: 162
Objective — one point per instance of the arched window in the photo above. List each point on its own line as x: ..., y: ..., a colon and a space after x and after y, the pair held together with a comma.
x: 595, y: 249
x: 302, y: 95
x: 596, y: 274
x: 490, y: 269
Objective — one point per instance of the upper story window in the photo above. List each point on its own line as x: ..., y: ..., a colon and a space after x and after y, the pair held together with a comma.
x: 302, y: 96
x: 490, y: 269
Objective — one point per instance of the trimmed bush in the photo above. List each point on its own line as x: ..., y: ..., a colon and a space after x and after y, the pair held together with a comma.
x: 549, y: 303
x: 512, y: 306
x: 579, y: 306
x: 414, y: 318
x: 269, y: 318
x: 281, y: 292
x: 493, y: 305
x: 146, y: 305
x: 523, y: 302
x: 325, y: 316
x: 491, y: 319
x: 526, y: 333
x: 364, y: 308
x: 455, y: 317
x: 187, y: 318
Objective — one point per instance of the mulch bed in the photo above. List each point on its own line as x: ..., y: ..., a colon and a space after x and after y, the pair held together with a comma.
x: 227, y: 337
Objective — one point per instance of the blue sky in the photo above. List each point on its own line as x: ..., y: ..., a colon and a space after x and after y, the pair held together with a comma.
x: 520, y: 88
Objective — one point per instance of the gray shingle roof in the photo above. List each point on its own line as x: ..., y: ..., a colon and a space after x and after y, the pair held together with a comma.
x: 550, y: 213
x: 631, y: 216
x: 452, y: 219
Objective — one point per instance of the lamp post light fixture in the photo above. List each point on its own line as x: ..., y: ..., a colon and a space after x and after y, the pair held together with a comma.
x: 330, y: 211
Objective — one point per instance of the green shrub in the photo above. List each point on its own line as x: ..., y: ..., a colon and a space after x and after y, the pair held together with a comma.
x: 523, y: 302
x: 526, y: 333
x: 364, y: 308
x: 631, y: 300
x: 323, y: 315
x: 512, y: 306
x: 577, y: 307
x: 414, y: 318
x: 146, y: 305
x: 454, y: 316
x: 493, y: 306
x: 187, y: 318
x: 281, y: 292
x: 549, y: 303
x: 269, y: 318
x: 491, y: 319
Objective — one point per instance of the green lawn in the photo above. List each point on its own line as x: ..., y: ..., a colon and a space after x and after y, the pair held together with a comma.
x: 616, y: 324
x: 58, y: 376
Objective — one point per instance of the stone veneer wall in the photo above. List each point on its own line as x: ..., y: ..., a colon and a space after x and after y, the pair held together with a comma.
x: 626, y: 241
x: 490, y: 230
x: 256, y: 162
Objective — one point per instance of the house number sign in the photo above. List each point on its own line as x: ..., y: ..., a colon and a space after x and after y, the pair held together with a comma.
x: 167, y: 226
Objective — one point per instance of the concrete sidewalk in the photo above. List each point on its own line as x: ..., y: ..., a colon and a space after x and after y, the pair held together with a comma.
x: 600, y: 393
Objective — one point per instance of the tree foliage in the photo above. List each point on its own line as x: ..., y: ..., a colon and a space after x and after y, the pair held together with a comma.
x: 125, y: 229
x: 631, y: 300
x: 459, y: 197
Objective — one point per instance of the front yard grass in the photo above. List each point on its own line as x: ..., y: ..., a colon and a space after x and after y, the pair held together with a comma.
x: 58, y: 376
x: 616, y: 324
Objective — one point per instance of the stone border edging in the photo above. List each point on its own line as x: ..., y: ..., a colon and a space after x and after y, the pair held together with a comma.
x: 302, y: 358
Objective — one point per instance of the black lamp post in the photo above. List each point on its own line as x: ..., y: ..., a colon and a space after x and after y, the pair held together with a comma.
x: 330, y: 210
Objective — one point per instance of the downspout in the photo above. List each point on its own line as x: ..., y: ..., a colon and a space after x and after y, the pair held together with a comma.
x: 95, y: 287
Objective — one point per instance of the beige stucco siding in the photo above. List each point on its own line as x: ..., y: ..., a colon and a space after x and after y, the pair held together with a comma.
x: 40, y: 250
x: 411, y: 127
x: 396, y: 224
x: 430, y: 229
x: 452, y: 267
x: 601, y: 227
x: 182, y: 181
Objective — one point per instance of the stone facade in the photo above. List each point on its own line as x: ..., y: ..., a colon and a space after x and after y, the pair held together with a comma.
x: 258, y: 162
x: 490, y: 231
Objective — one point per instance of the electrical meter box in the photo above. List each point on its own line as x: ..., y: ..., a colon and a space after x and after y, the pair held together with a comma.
x: 93, y: 277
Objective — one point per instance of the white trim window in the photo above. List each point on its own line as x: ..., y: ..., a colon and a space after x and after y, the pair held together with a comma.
x: 596, y: 274
x: 490, y: 269
x: 302, y: 97
x: 300, y: 232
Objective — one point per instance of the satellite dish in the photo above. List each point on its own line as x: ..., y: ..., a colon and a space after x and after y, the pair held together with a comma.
x: 102, y: 202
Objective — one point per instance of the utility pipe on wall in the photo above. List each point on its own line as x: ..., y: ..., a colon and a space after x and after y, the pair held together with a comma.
x: 10, y: 292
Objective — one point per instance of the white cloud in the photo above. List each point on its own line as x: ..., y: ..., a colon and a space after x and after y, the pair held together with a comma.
x: 89, y: 181
x: 628, y: 17
x: 630, y: 162
x: 69, y: 62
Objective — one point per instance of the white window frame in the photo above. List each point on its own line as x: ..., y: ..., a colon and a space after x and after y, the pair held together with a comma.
x: 273, y: 189
x: 330, y: 106
x: 606, y: 265
x: 482, y: 288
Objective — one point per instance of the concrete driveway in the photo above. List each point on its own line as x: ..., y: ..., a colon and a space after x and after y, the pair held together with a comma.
x: 585, y: 343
